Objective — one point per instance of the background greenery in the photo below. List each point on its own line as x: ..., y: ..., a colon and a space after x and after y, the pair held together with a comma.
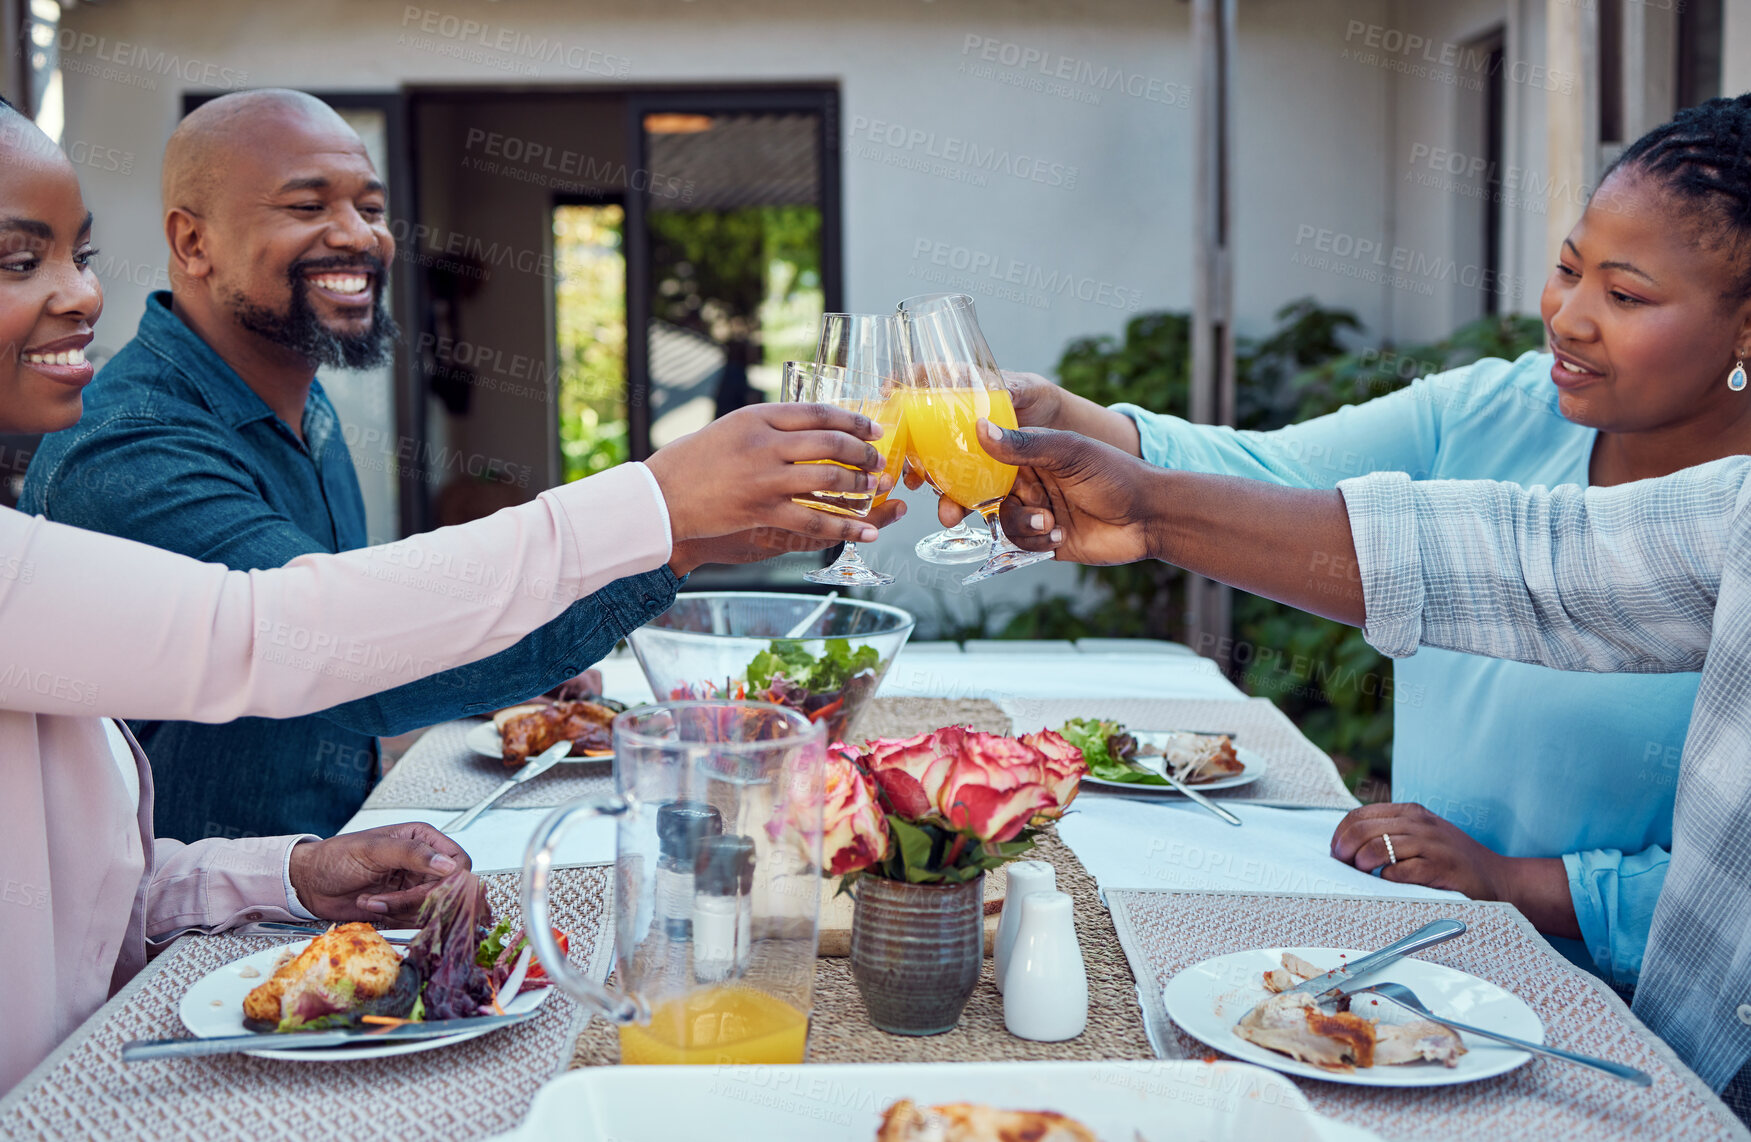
x: 1322, y: 674
x: 589, y: 303
x: 749, y: 279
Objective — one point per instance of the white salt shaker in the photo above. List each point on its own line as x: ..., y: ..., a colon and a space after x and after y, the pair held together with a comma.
x: 1025, y: 876
x: 1045, y: 994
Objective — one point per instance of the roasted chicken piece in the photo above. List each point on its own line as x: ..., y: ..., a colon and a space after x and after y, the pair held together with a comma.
x: 347, y: 965
x: 1295, y: 1026
x: 1294, y: 970
x: 906, y: 1121
x: 1395, y: 1044
x: 527, y: 730
x: 1196, y: 758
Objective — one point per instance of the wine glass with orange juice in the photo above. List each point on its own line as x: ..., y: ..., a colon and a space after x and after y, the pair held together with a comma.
x: 867, y: 343
x: 952, y: 383
x: 874, y: 396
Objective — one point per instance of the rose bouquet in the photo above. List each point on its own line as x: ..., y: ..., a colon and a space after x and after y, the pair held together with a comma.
x: 945, y: 806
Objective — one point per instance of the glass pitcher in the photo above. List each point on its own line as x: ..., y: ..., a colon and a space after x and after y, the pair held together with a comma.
x: 717, y: 882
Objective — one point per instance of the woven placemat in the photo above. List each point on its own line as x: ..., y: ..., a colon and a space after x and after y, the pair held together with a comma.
x: 840, y: 1031
x: 1166, y: 932
x: 470, y: 1090
x: 907, y: 717
x: 1298, y: 776
x: 441, y: 771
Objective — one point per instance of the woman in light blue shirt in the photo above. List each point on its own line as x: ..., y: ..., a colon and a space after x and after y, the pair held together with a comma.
x: 1514, y: 781
x: 1526, y: 761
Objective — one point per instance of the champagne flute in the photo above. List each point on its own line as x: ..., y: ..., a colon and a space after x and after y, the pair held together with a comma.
x: 958, y: 384
x: 868, y: 344
x: 962, y: 543
x: 874, y: 397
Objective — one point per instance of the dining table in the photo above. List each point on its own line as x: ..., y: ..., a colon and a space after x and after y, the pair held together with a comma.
x: 1158, y: 885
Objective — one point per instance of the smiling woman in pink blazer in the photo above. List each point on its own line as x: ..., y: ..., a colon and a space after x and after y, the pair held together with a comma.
x: 94, y: 628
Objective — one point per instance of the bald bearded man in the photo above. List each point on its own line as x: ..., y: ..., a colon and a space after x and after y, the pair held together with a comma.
x: 209, y: 435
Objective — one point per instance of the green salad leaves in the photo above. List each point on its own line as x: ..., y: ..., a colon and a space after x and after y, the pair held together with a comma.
x: 788, y: 659
x: 1106, y: 747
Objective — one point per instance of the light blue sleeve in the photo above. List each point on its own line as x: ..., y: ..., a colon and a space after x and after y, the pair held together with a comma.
x: 1614, y: 897
x: 1399, y: 432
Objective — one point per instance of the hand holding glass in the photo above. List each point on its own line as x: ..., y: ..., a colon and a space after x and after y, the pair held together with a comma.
x: 953, y: 383
x: 873, y: 395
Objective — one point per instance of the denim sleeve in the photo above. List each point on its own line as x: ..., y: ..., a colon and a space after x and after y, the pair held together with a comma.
x: 1614, y: 897
x: 165, y: 484
x: 569, y: 644
x: 1399, y: 432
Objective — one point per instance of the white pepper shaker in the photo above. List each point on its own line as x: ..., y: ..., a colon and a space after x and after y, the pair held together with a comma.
x: 1024, y: 877
x: 1045, y: 996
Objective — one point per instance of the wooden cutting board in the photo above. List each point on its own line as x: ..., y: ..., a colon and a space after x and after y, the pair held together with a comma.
x: 836, y: 914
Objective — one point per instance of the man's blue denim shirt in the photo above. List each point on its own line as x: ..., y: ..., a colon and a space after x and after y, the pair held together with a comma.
x: 176, y: 451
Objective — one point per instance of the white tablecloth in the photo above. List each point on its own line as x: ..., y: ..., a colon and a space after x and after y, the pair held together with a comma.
x: 1161, y: 845
x: 1124, y: 843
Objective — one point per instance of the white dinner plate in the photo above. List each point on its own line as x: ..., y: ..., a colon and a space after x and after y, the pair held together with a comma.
x: 214, y: 1007
x: 484, y: 739
x: 1121, y: 1101
x: 1208, y: 999
x: 1255, y: 769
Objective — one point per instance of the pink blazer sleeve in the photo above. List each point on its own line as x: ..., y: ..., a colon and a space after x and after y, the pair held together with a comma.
x: 216, y: 884
x: 92, y: 624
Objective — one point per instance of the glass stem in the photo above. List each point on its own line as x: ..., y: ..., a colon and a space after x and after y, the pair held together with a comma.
x: 999, y: 541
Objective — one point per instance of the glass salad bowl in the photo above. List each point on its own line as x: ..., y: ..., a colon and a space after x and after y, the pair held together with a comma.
x: 735, y: 644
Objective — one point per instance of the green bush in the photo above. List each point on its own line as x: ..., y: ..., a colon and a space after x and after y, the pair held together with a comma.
x: 1322, y: 674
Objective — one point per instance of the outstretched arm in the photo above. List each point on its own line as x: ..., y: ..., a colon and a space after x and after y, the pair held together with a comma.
x: 1607, y: 579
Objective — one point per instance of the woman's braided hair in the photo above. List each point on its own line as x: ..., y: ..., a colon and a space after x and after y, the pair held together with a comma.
x: 1703, y: 156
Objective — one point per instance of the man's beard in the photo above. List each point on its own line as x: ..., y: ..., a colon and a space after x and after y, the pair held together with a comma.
x: 301, y: 331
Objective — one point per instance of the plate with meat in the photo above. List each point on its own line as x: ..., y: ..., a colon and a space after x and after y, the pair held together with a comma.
x: 1240, y: 1005
x: 519, y: 733
x: 1207, y: 760
x: 352, y: 976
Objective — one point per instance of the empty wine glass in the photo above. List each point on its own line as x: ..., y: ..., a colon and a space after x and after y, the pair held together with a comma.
x: 874, y: 396
x: 868, y: 344
x: 952, y: 383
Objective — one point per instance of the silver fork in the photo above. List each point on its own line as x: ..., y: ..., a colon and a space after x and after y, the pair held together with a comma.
x: 1407, y: 999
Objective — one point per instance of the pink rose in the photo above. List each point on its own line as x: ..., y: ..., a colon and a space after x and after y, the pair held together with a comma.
x: 910, y: 771
x: 991, y: 814
x: 993, y: 787
x: 1062, y: 770
x: 856, y: 831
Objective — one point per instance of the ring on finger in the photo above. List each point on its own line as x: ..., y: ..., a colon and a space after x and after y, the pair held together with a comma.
x: 1391, y: 857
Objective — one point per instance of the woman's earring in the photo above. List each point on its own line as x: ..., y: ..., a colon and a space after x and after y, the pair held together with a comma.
x: 1736, y: 378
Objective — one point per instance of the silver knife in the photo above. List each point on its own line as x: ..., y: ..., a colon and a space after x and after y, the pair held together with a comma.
x: 281, y: 928
x: 534, y: 768
x: 143, y: 1050
x: 1322, y: 987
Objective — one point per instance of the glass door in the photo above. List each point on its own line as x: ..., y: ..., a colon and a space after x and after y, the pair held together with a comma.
x: 734, y: 254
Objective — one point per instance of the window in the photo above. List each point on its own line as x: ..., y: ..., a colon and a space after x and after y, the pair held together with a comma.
x: 735, y: 247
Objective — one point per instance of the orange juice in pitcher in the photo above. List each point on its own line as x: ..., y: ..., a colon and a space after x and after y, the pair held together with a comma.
x: 730, y: 1024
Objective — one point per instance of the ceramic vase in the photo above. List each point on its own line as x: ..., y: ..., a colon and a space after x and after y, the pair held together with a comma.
x: 916, y: 951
